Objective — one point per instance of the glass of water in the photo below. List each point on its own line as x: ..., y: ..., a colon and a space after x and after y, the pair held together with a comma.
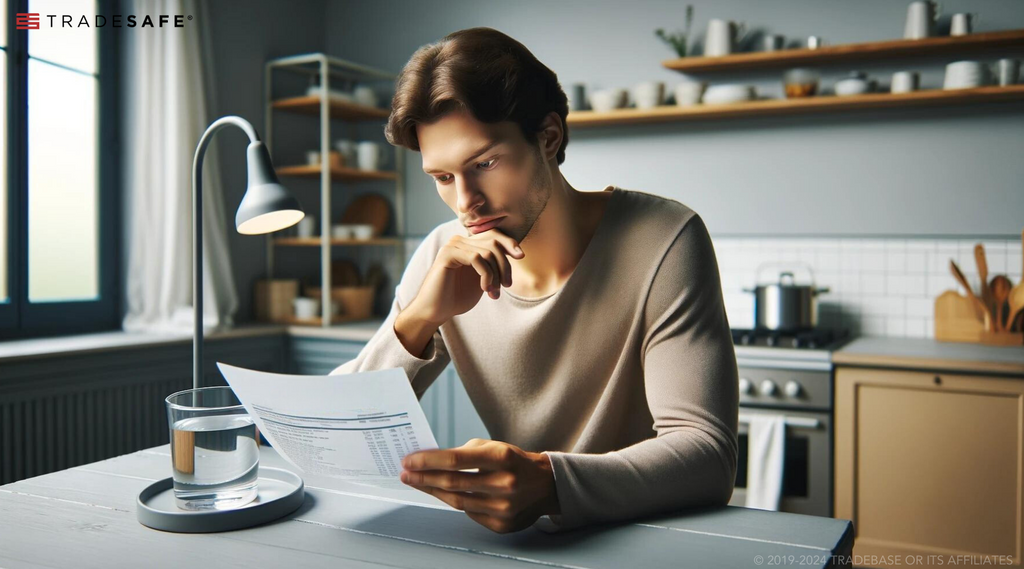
x: 214, y: 454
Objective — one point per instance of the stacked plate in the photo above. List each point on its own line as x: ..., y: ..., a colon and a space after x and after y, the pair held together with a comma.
x: 965, y: 75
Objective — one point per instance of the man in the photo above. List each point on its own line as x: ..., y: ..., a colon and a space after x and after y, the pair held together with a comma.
x: 600, y: 360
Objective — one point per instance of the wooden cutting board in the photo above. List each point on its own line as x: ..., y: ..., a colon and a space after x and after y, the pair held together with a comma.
x: 369, y: 208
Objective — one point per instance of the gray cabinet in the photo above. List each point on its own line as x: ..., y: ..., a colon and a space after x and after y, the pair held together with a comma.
x: 74, y: 408
x: 451, y: 414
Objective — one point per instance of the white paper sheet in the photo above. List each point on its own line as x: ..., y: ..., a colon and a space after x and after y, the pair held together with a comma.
x: 356, y: 427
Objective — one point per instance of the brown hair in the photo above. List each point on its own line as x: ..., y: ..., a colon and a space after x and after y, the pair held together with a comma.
x: 481, y: 70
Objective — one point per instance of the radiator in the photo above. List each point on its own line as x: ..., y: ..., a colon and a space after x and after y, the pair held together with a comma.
x: 42, y: 433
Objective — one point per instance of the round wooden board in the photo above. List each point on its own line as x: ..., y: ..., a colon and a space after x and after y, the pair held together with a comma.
x: 369, y: 208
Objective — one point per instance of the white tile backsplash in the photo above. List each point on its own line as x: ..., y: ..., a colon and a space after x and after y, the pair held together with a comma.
x: 878, y: 287
x: 883, y: 287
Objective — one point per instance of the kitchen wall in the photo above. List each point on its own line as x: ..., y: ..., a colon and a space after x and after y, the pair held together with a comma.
x: 876, y: 203
x: 878, y: 287
x: 838, y: 184
x: 927, y: 172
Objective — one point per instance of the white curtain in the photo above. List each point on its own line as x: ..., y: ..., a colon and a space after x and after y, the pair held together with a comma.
x: 168, y: 90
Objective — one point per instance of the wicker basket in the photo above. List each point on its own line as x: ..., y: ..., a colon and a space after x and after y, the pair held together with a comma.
x: 356, y: 302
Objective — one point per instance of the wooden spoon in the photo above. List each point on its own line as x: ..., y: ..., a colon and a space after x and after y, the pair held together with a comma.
x: 986, y: 314
x: 1017, y: 325
x: 1000, y: 292
x: 986, y: 290
x: 1017, y: 294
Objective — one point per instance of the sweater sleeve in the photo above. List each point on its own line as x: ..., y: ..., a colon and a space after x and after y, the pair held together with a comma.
x: 384, y: 350
x: 690, y: 379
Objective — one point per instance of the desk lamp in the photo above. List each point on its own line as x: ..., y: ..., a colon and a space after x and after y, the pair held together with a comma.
x: 267, y: 206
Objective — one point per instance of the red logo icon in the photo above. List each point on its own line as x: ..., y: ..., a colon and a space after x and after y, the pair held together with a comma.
x: 27, y: 21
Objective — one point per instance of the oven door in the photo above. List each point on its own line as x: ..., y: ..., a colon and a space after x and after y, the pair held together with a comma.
x: 806, y: 466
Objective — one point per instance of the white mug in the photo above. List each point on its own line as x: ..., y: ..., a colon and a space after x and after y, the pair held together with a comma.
x: 306, y: 307
x: 905, y: 81
x: 689, y: 93
x: 365, y: 96
x: 649, y: 94
x: 371, y: 156
x: 307, y: 226
x: 961, y: 24
x: 773, y: 42
x: 1007, y: 71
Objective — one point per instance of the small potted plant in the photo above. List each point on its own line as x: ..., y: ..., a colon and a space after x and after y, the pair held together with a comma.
x: 680, y: 39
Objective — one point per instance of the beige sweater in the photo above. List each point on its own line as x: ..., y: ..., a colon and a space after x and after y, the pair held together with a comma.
x: 626, y: 376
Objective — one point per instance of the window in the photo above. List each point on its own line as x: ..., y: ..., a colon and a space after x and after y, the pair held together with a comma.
x: 5, y: 299
x: 58, y: 266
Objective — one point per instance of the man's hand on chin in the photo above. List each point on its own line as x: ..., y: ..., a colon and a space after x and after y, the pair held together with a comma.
x: 510, y: 490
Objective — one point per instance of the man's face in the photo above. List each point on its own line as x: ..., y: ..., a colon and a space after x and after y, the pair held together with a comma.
x: 486, y: 170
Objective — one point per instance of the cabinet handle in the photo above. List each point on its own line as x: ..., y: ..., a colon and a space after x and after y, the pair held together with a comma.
x: 938, y: 380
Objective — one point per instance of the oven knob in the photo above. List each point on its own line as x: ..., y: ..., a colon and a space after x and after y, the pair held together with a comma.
x: 793, y: 389
x: 767, y: 387
x: 746, y: 386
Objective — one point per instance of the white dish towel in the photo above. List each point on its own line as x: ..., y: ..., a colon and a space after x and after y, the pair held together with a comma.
x: 766, y: 447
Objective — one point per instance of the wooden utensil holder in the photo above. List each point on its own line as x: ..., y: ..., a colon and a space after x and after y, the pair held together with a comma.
x: 956, y: 321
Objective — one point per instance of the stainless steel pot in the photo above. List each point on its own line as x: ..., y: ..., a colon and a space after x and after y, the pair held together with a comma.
x: 785, y: 306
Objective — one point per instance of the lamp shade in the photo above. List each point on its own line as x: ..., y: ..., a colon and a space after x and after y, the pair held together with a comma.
x: 267, y: 205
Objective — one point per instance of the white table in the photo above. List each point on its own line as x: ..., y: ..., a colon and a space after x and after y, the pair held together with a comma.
x: 85, y: 517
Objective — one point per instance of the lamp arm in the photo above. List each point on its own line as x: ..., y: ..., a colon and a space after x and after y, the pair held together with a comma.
x: 197, y: 235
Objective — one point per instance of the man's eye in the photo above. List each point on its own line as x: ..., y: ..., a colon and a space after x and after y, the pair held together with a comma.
x: 443, y: 178
x: 487, y: 165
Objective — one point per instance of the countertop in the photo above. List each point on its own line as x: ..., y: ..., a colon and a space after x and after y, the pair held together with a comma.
x: 927, y: 354
x: 14, y: 350
x: 85, y: 516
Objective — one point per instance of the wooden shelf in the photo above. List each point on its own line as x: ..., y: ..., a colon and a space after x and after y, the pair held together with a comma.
x: 310, y: 105
x: 880, y: 50
x: 809, y: 105
x: 318, y: 320
x: 343, y: 174
x: 315, y: 241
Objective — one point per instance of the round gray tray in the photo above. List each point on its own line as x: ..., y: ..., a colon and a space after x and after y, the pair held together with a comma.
x: 280, y: 493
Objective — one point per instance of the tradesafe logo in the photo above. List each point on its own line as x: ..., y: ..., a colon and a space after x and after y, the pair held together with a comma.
x: 30, y: 21
x: 27, y: 21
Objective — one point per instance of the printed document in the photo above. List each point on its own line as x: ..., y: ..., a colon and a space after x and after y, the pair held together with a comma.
x: 356, y: 427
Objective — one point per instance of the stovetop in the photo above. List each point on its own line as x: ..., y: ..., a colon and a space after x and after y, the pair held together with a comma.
x: 815, y: 339
x: 810, y: 349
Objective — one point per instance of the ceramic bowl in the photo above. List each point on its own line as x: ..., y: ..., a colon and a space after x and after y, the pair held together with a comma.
x: 362, y: 231
x: 728, y: 93
x: 607, y: 99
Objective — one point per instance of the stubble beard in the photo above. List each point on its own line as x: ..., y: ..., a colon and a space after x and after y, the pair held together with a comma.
x: 533, y: 204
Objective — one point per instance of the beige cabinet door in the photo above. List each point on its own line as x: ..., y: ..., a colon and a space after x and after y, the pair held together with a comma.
x: 930, y: 464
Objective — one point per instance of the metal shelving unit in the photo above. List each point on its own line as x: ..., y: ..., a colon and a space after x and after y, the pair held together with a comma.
x: 326, y: 67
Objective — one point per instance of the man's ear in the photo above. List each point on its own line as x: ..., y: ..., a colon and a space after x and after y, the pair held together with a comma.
x: 549, y: 137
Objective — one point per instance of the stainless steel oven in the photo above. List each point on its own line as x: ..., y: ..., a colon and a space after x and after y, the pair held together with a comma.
x: 806, y: 463
x: 790, y: 375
